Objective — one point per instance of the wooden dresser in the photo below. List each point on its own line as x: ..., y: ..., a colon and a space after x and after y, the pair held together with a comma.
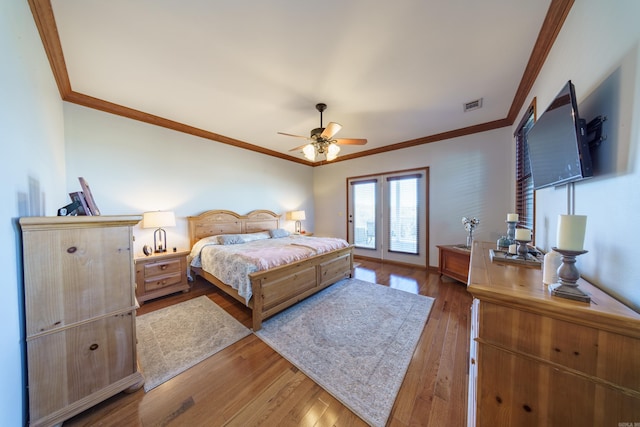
x: 161, y: 274
x: 80, y: 313
x: 454, y: 262
x: 538, y: 360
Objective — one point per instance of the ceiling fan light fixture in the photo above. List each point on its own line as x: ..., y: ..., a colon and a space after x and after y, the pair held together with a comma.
x: 309, y: 151
x: 323, y: 141
x: 332, y: 151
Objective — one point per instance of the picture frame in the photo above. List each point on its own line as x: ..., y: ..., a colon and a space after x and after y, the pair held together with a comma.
x: 91, y: 203
x: 78, y: 197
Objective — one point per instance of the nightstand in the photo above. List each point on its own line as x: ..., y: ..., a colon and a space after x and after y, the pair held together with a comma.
x: 454, y: 262
x: 161, y: 274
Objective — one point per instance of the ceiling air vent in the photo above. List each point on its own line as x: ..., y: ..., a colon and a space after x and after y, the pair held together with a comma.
x: 472, y: 105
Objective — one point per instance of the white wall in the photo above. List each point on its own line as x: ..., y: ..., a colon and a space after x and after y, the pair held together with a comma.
x: 468, y: 176
x: 133, y: 167
x: 599, y: 50
x: 33, y: 180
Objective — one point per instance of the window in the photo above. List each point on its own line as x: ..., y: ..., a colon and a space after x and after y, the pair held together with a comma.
x: 525, y: 195
x: 403, y: 213
x: 387, y: 216
x: 364, y: 213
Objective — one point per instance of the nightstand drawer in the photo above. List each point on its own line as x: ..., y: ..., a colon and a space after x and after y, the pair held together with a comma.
x: 162, y: 267
x: 158, y: 282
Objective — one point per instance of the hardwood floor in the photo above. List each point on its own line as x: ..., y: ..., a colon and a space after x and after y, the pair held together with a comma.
x: 250, y: 384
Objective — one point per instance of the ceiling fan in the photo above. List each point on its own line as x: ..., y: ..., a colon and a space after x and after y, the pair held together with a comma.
x: 322, y: 140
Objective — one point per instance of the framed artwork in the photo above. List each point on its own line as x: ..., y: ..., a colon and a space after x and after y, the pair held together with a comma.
x: 91, y: 203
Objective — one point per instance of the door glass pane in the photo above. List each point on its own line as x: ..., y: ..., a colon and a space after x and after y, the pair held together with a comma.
x: 403, y: 215
x: 364, y: 214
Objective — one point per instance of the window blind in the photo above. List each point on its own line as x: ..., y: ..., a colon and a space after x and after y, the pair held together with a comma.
x: 525, y: 194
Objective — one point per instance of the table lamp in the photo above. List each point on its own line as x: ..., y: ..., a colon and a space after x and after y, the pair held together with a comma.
x: 157, y: 220
x: 296, y: 216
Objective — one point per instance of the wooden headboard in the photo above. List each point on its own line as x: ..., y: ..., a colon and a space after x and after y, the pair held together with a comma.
x: 214, y: 222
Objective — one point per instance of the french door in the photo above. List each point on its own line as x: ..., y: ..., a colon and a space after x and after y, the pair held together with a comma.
x: 387, y: 216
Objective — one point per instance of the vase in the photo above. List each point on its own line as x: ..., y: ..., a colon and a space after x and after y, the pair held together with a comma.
x: 470, y: 238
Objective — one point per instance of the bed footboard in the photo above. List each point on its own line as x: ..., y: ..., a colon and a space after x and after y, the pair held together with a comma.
x: 281, y: 287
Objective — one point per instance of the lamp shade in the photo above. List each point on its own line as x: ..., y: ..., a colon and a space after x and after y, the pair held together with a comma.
x: 158, y: 219
x: 309, y: 151
x: 332, y: 151
x: 296, y: 216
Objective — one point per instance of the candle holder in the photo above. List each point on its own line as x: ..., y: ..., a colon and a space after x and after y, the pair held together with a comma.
x: 523, y: 251
x: 511, y: 231
x: 568, y: 274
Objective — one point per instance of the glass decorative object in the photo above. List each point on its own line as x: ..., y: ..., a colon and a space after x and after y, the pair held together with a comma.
x: 470, y: 223
x: 511, y: 231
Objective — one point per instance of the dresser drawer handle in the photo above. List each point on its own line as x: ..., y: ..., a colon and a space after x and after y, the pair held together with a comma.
x: 93, y: 347
x: 72, y: 249
x: 164, y: 266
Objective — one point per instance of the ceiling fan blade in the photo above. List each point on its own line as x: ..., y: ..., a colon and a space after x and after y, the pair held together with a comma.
x: 295, y: 136
x: 299, y: 148
x: 351, y: 141
x: 331, y: 129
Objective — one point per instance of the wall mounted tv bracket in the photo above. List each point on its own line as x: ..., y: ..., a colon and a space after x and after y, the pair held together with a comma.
x: 594, y: 132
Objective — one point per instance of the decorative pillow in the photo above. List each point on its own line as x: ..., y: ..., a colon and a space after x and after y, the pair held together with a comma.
x: 277, y: 233
x: 230, y: 239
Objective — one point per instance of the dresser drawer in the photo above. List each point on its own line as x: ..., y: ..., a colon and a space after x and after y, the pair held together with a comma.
x: 158, y: 282
x: 162, y: 267
x: 78, y: 363
x: 589, y: 351
x: 66, y: 275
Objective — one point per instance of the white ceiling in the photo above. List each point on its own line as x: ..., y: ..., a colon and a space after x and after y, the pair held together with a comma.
x: 389, y: 71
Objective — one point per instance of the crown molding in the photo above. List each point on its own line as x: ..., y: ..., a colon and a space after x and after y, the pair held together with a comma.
x: 45, y: 22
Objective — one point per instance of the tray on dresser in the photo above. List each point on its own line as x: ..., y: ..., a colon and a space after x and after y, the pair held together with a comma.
x: 498, y: 255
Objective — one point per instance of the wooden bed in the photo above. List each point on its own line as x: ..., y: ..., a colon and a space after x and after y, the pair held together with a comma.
x: 280, y: 287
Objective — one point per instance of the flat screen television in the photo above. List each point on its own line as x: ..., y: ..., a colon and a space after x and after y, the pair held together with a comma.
x: 557, y: 143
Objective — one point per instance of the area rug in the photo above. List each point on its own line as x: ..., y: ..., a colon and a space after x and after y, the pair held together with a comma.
x: 174, y: 338
x: 355, y: 339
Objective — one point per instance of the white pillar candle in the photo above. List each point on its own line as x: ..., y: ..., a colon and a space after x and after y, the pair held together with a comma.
x: 523, y: 234
x: 571, y: 230
x: 512, y: 217
x: 512, y: 249
x: 550, y: 265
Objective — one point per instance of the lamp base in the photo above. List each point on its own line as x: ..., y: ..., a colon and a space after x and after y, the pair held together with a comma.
x: 159, y: 236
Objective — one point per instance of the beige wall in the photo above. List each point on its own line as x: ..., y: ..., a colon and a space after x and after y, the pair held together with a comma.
x: 468, y: 176
x: 33, y: 180
x: 598, y: 49
x: 133, y: 167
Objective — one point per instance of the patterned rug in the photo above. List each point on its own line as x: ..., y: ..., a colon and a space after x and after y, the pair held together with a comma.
x: 174, y: 338
x: 355, y: 339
